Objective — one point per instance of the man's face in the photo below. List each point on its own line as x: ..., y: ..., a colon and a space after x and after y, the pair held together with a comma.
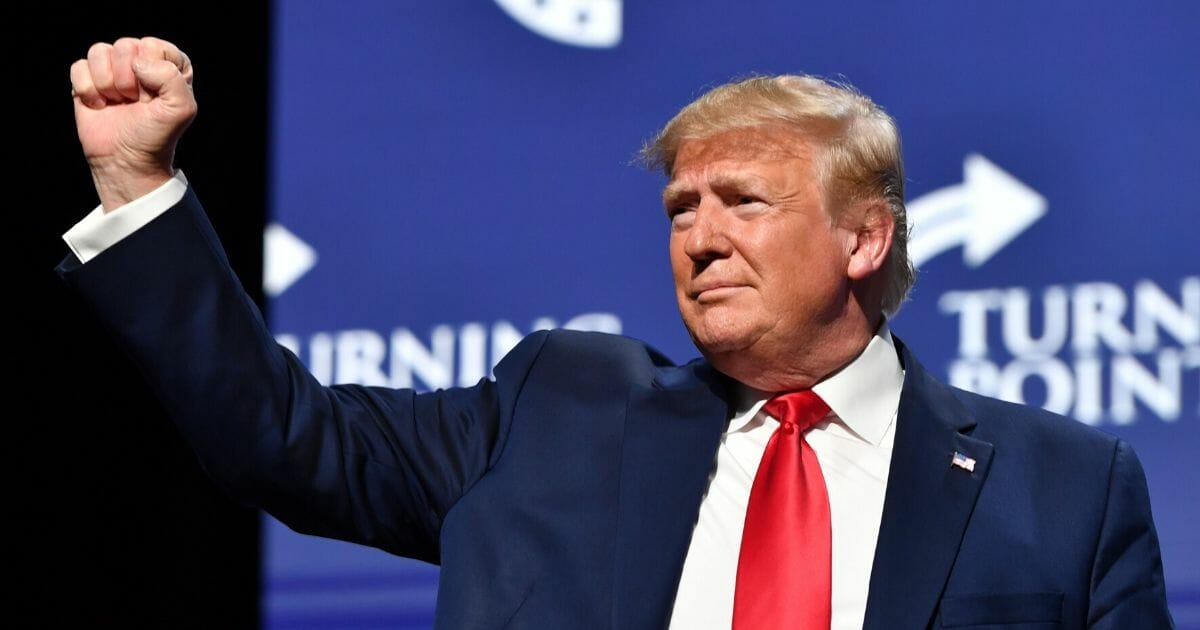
x: 760, y: 270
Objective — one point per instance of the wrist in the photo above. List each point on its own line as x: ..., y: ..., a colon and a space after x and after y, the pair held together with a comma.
x: 118, y: 185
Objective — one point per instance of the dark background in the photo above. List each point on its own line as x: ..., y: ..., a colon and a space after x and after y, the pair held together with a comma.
x: 116, y: 525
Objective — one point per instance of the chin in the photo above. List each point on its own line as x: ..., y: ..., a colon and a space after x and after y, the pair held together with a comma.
x: 713, y: 343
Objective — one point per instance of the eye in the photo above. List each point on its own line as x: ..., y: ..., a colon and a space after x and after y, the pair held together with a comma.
x: 676, y: 210
x: 747, y: 200
x: 681, y: 216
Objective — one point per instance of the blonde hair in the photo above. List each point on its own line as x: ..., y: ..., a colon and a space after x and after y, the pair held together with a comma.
x: 858, y: 156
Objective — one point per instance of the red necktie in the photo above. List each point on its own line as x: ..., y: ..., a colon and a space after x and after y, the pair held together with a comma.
x: 783, y: 577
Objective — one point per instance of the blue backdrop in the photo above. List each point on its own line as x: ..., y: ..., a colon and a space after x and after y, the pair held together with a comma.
x: 450, y: 176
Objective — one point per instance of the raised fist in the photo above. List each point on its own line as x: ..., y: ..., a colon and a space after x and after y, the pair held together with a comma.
x: 133, y: 100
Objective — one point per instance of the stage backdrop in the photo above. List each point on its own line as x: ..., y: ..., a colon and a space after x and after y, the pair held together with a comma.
x: 450, y: 176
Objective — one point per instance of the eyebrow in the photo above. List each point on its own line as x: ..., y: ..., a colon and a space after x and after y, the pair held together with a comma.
x: 676, y: 190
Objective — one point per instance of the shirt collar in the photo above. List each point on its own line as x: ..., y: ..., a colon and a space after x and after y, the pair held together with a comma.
x: 864, y: 394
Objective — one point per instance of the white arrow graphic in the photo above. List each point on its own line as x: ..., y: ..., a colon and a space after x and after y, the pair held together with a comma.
x: 985, y: 212
x: 285, y: 259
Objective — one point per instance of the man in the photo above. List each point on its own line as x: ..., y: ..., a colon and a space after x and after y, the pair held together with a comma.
x: 807, y: 473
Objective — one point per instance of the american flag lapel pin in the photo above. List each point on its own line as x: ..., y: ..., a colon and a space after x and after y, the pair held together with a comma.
x: 963, y: 462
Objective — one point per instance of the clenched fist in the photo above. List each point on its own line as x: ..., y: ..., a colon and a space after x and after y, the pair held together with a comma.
x: 133, y: 100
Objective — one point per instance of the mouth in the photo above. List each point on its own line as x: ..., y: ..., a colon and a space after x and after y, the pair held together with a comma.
x: 715, y: 291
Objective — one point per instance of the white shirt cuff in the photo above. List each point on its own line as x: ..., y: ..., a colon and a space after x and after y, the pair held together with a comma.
x: 99, y: 230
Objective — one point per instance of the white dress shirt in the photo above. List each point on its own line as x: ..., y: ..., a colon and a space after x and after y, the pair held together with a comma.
x: 99, y: 231
x: 854, y: 446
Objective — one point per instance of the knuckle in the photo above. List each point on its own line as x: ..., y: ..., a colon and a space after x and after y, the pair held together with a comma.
x: 155, y: 47
x: 98, y: 49
x: 151, y: 48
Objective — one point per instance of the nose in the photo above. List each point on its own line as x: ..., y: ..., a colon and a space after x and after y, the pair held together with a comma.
x: 707, y: 238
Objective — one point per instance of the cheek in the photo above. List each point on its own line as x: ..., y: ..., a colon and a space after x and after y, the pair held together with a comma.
x: 681, y: 265
x: 807, y: 258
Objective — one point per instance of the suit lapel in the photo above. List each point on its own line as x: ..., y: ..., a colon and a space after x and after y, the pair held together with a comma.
x: 928, y: 502
x: 672, y: 430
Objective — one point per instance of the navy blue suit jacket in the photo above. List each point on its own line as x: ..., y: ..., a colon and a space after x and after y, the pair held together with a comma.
x: 562, y: 494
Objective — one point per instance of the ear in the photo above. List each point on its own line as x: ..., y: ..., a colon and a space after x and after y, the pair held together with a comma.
x: 872, y: 226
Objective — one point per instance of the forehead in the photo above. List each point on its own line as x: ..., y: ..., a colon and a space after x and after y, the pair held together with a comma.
x: 760, y: 153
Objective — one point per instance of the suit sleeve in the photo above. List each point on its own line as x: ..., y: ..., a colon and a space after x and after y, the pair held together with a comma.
x: 1127, y: 589
x: 375, y: 466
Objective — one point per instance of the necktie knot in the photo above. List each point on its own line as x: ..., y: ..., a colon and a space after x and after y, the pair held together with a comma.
x: 797, y: 411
